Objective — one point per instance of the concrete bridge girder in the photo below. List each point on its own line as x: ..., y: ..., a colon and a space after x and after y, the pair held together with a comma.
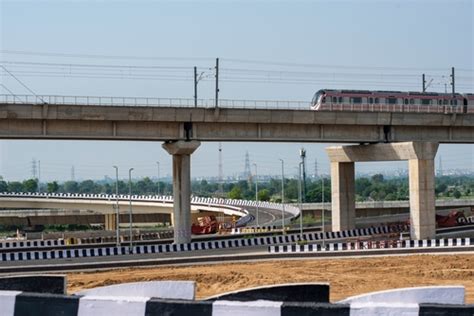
x: 420, y: 156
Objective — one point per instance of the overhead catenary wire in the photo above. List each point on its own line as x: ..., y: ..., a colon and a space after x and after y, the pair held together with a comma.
x: 25, y: 86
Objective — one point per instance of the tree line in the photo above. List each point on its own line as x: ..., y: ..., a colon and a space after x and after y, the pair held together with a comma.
x: 375, y: 188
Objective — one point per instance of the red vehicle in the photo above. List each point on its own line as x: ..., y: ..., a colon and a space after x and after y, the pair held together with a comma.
x: 205, y: 225
x: 454, y: 218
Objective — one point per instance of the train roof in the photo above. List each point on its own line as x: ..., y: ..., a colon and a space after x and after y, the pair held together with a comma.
x: 387, y: 92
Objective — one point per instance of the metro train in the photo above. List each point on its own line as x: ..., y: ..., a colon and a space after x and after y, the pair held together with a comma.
x: 392, y: 101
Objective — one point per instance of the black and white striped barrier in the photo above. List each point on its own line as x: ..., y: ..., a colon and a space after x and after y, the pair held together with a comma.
x: 382, y: 244
x: 434, y: 300
x: 203, y: 245
x: 32, y: 243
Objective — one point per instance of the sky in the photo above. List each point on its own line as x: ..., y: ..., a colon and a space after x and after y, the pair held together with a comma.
x: 267, y: 50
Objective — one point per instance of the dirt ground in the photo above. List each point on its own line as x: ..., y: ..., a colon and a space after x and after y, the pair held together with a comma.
x: 347, y: 277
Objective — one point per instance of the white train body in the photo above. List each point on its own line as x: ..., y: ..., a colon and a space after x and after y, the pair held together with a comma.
x: 392, y: 101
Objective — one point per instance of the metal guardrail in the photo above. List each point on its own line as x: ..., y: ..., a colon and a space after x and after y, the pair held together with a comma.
x: 152, y: 102
x: 390, y: 204
x: 223, y: 103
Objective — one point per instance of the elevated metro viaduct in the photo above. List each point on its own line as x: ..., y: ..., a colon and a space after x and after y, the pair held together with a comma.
x: 183, y: 128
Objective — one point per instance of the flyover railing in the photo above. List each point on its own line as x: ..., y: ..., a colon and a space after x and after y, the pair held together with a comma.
x: 152, y: 102
x: 224, y: 103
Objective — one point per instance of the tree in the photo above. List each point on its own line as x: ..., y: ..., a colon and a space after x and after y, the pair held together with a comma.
x: 71, y: 187
x: 457, y: 194
x: 87, y: 186
x: 52, y: 187
x: 235, y: 193
x: 3, y: 186
x: 377, y: 178
x: 15, y: 186
x: 264, y: 195
x: 30, y: 185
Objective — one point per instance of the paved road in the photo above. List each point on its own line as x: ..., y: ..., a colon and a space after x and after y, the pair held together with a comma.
x: 267, y: 217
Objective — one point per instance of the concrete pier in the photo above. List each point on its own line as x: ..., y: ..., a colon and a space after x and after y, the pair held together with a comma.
x: 181, y: 151
x: 110, y: 221
x: 420, y: 156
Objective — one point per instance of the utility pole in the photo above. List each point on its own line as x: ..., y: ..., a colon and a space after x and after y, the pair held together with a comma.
x: 39, y: 175
x: 217, y: 82
x: 256, y: 191
x: 221, y: 172
x: 452, y: 83
x: 158, y: 179
x: 315, y: 168
x: 33, y: 168
x: 195, y: 88
x: 282, y: 194
x: 303, y: 158
x: 424, y: 83
x: 117, y: 211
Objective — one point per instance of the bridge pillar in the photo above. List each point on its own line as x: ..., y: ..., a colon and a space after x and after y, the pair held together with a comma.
x: 343, y: 195
x: 420, y: 156
x: 110, y: 222
x: 181, y: 151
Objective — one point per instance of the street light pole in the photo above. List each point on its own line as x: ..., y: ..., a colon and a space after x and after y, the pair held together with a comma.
x: 299, y: 200
x: 323, y: 209
x: 117, y: 207
x: 256, y: 190
x: 158, y: 180
x: 130, y: 205
x: 282, y: 195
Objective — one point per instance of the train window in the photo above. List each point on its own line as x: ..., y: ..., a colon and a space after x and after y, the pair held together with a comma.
x: 376, y: 100
x: 340, y: 99
x: 356, y: 100
x: 440, y: 102
x: 426, y: 101
x: 371, y: 100
x: 392, y: 100
x: 323, y: 100
x: 406, y: 101
x: 334, y: 99
x: 445, y: 102
x: 412, y: 101
x: 454, y: 102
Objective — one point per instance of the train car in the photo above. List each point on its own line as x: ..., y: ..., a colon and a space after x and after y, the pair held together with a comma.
x: 392, y: 101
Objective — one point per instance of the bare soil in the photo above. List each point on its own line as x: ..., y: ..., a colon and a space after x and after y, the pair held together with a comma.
x: 347, y: 277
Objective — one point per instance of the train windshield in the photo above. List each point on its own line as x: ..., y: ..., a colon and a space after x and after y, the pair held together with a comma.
x: 317, y: 97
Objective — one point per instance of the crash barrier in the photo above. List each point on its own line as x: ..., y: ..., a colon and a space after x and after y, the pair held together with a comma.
x: 466, y: 220
x: 55, y: 284
x: 259, y: 229
x: 32, y: 243
x: 380, y: 244
x: 201, y: 245
x: 165, y: 199
x: 433, y: 300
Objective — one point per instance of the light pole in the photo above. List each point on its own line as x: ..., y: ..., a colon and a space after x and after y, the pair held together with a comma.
x: 158, y: 180
x: 323, y: 209
x: 117, y: 206
x: 130, y: 205
x: 256, y: 190
x: 282, y: 195
x: 299, y: 200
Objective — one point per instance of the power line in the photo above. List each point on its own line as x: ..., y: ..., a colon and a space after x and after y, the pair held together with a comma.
x: 98, y: 56
x: 21, y: 83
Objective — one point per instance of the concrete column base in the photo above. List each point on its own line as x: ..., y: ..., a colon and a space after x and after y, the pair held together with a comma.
x: 181, y: 151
